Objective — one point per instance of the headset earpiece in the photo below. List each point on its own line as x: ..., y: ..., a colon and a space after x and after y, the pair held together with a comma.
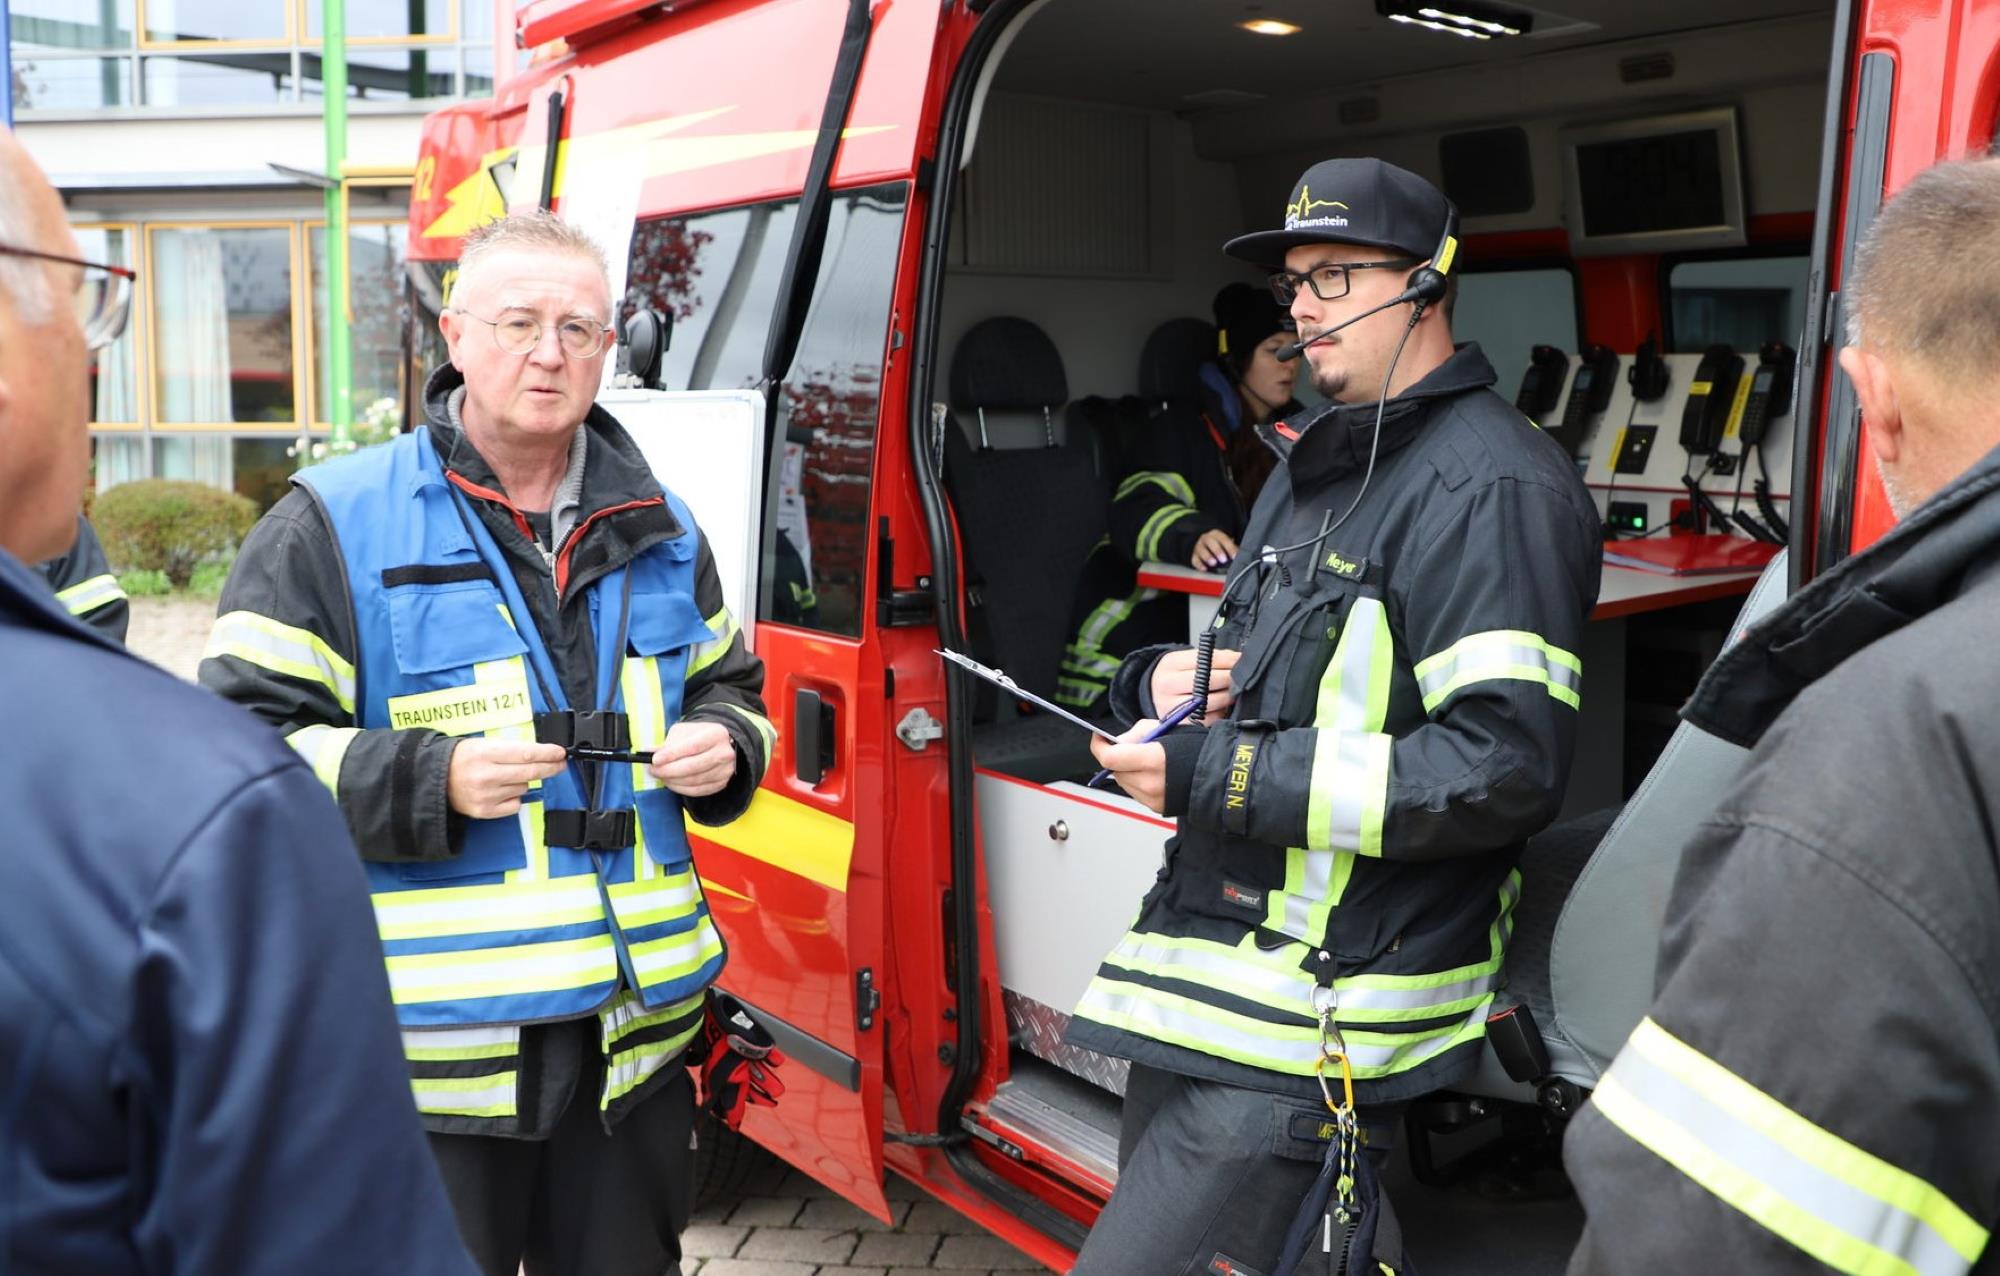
x: 1428, y: 283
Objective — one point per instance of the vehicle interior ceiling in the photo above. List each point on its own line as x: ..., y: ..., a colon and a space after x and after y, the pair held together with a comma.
x: 1121, y: 142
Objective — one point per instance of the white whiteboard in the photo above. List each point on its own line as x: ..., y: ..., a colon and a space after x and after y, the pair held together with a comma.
x: 707, y: 448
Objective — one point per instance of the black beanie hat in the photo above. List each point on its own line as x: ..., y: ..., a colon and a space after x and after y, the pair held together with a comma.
x: 1244, y: 317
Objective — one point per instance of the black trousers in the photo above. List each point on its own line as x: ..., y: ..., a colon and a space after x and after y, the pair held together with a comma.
x: 1210, y: 1176
x: 581, y: 1202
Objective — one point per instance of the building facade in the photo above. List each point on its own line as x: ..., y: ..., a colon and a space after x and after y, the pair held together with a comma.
x: 185, y: 137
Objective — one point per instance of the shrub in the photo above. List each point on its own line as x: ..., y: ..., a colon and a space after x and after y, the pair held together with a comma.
x: 145, y: 584
x: 208, y: 578
x: 169, y: 526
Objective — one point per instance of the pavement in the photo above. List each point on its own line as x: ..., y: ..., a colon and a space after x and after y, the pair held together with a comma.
x: 784, y: 1224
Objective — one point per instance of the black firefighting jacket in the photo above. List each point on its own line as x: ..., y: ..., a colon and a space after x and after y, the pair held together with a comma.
x: 1408, y: 691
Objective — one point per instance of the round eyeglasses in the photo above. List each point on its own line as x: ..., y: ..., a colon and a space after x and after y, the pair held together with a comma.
x: 103, y: 297
x: 519, y: 334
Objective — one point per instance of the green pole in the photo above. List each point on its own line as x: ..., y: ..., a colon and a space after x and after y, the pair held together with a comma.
x: 338, y: 336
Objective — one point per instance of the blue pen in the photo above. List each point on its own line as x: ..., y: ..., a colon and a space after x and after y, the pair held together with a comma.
x: 1180, y: 714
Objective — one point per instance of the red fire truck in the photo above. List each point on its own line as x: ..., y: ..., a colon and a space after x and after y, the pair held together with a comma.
x: 914, y: 256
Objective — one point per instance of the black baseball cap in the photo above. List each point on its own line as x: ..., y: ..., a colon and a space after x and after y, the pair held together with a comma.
x: 1352, y: 201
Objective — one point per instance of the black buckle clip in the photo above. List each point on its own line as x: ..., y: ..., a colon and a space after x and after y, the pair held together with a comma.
x: 613, y: 830
x: 586, y: 729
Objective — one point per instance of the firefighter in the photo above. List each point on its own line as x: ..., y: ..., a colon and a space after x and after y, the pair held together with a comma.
x: 435, y: 624
x: 1194, y: 475
x: 192, y: 1008
x: 1817, y: 1083
x: 84, y: 585
x: 1392, y: 712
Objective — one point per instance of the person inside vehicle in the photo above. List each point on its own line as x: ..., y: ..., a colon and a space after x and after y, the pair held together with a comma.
x: 1186, y: 490
x: 1391, y: 714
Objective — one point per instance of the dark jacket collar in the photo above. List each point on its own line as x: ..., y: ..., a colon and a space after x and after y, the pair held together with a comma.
x: 25, y: 598
x: 1926, y: 561
x: 615, y: 472
x: 1336, y: 439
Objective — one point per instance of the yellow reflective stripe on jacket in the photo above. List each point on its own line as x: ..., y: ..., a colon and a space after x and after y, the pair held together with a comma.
x: 1148, y: 544
x: 434, y: 912
x: 1350, y: 792
x: 323, y: 748
x: 1496, y: 654
x: 650, y: 901
x: 1172, y: 484
x: 628, y: 1067
x: 282, y: 649
x: 88, y: 595
x: 1290, y: 1047
x: 757, y: 721
x: 646, y: 712
x: 487, y: 1096
x: 515, y: 970
x: 1847, y: 1208
x: 724, y: 627
x: 449, y: 1045
x: 1247, y: 972
x: 676, y: 956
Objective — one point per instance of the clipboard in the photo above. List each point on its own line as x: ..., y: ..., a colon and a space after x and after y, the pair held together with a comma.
x: 1013, y: 688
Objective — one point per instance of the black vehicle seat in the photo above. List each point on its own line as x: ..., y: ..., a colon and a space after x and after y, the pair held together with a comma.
x: 1594, y: 897
x: 1170, y: 362
x: 1027, y: 517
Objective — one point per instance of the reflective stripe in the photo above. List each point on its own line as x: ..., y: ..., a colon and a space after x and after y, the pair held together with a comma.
x: 323, y: 747
x: 724, y: 626
x: 439, y: 1045
x: 1077, y: 693
x: 648, y: 901
x: 1291, y: 1048
x: 1166, y: 480
x: 1148, y: 545
x: 517, y: 970
x: 282, y: 649
x: 676, y: 956
x: 489, y: 1096
x: 1498, y: 654
x: 1847, y: 1208
x: 1084, y: 659
x: 625, y: 1070
x: 758, y: 723
x: 89, y: 595
x: 1248, y: 973
x: 646, y: 710
x: 427, y: 913
x: 1350, y: 791
x: 627, y: 1015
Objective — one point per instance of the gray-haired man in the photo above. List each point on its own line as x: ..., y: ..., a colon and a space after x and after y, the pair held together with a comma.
x: 438, y: 624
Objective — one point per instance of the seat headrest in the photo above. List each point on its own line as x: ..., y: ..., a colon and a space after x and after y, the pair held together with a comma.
x: 1007, y: 364
x: 1170, y: 363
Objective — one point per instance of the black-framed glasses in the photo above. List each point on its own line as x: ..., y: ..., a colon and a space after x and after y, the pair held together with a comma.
x: 103, y: 294
x: 518, y: 334
x: 1329, y: 282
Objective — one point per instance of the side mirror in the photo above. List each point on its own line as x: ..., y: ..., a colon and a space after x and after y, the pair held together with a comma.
x: 643, y: 346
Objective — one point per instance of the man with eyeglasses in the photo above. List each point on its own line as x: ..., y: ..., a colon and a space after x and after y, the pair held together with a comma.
x: 505, y: 651
x: 1391, y: 716
x: 193, y: 1013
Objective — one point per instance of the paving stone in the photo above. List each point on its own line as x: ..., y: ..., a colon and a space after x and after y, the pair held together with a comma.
x: 751, y: 1267
x: 911, y: 1248
x: 711, y: 1240
x: 986, y: 1253
x: 936, y: 1216
x: 766, y: 1211
x: 835, y: 1214
x: 853, y: 1271
x: 799, y: 1245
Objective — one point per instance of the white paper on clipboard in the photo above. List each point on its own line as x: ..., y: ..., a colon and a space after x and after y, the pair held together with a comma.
x: 1013, y: 688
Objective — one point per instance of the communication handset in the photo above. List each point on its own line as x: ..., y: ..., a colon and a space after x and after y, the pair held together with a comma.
x: 1710, y: 398
x: 1648, y: 374
x: 1542, y: 383
x: 1589, y: 394
x: 1770, y: 392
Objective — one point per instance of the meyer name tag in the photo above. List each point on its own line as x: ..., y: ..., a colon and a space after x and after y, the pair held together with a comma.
x: 469, y: 710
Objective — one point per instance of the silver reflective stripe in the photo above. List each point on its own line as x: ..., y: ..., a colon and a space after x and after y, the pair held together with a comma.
x: 411, y: 914
x: 284, y: 649
x: 1350, y: 773
x: 89, y: 595
x: 436, y: 1042
x: 1845, y: 1207
x: 697, y: 948
x: 466, y: 1096
x: 324, y: 748
x: 1499, y: 654
x: 1282, y: 989
x: 537, y: 970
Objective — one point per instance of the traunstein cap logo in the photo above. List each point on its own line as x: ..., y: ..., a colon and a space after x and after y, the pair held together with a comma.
x: 1301, y: 211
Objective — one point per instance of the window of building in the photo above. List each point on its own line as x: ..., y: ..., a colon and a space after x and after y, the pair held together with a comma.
x: 1510, y: 311
x: 1738, y: 301
x: 94, y: 54
x: 114, y: 370
x: 376, y: 298
x: 717, y: 274
x: 222, y: 323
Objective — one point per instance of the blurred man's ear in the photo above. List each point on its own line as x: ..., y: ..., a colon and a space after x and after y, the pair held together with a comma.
x: 1881, y: 408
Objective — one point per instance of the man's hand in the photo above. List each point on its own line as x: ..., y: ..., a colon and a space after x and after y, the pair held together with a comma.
x: 698, y: 759
x: 1214, y: 550
x: 488, y: 777
x: 1173, y: 682
x: 1140, y: 769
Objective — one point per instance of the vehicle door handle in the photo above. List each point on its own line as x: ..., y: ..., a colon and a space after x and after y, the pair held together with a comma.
x: 812, y: 736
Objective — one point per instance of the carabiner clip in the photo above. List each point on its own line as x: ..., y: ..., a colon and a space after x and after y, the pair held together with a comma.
x: 1346, y: 1105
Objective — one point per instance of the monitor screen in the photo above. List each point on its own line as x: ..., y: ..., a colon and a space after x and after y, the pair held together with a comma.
x: 1666, y: 182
